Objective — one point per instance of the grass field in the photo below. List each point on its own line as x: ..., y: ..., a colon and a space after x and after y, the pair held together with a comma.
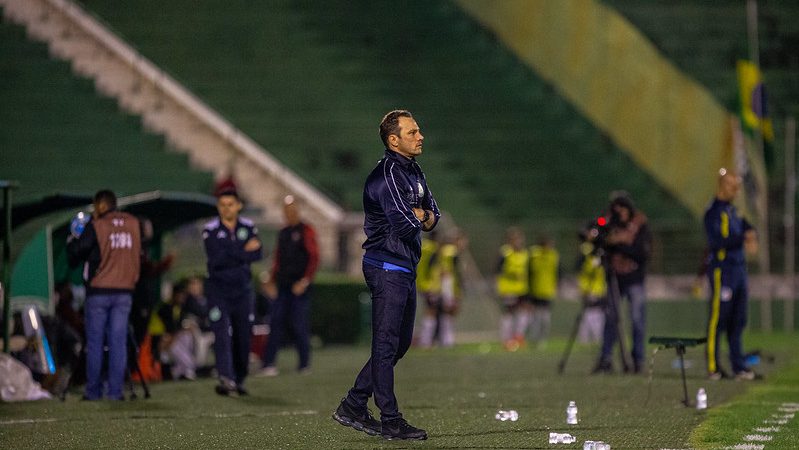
x: 453, y: 393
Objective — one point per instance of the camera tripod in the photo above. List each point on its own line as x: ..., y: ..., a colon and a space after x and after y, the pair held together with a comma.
x: 613, y: 311
x: 133, y: 366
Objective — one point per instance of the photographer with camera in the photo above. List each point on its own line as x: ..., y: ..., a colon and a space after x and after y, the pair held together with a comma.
x: 627, y: 244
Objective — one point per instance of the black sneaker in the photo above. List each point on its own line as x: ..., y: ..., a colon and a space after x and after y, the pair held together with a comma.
x: 603, y: 366
x: 226, y: 388
x: 362, y: 421
x: 400, y: 429
x: 241, y: 390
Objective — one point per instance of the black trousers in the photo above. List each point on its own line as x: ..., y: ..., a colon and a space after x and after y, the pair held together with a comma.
x: 393, y: 313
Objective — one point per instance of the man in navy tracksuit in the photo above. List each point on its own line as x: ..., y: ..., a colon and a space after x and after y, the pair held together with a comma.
x: 231, y: 245
x: 728, y: 236
x: 398, y: 206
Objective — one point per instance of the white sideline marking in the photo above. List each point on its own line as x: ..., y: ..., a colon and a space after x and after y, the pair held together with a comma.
x: 25, y: 421
x: 308, y: 412
x: 788, y: 411
x: 776, y: 421
x: 758, y: 437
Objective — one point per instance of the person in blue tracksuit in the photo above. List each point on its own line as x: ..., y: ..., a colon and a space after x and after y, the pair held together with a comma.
x: 231, y: 245
x: 398, y: 206
x: 729, y: 236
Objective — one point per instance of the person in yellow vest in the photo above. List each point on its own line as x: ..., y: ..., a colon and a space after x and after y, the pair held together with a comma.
x: 445, y: 288
x: 544, y: 276
x: 593, y: 292
x: 429, y: 249
x: 512, y: 284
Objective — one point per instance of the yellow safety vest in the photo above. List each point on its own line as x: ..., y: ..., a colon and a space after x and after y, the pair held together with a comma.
x: 513, y: 276
x: 591, y: 279
x: 444, y: 263
x: 429, y: 248
x: 544, y: 272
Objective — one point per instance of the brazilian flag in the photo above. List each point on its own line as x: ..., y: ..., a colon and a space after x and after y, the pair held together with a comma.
x: 754, y: 106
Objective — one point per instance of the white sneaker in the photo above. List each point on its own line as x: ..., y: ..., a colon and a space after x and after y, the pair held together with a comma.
x: 269, y: 371
x: 745, y: 375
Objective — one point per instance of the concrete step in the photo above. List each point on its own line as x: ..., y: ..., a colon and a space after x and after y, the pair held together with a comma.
x: 184, y: 130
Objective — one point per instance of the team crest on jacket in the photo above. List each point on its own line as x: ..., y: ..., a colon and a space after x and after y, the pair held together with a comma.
x: 415, y: 195
x: 241, y: 234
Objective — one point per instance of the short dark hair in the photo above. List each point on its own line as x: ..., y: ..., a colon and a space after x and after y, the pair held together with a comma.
x: 390, y: 124
x: 106, y: 196
x: 228, y: 193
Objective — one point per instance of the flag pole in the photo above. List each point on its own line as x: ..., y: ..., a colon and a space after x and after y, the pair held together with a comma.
x: 789, y: 220
x: 764, y: 256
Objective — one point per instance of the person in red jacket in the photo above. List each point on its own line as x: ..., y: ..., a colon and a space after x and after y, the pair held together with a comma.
x: 293, y: 269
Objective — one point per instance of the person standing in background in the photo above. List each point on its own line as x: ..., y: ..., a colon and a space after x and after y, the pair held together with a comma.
x: 512, y: 285
x: 729, y: 237
x: 231, y: 245
x: 295, y: 263
x: 445, y: 291
x: 628, y: 246
x: 544, y: 275
x: 110, y: 246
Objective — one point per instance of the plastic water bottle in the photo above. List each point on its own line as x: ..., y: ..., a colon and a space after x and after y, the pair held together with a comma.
x: 504, y: 416
x: 701, y: 399
x: 78, y: 224
x: 571, y: 413
x: 561, y: 438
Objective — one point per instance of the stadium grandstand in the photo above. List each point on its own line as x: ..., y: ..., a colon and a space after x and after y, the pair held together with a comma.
x: 508, y: 143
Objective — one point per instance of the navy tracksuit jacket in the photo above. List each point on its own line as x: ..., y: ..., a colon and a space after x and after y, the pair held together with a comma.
x: 230, y: 294
x: 725, y: 231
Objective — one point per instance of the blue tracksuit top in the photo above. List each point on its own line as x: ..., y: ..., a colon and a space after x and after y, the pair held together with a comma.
x: 228, y: 262
x: 725, y: 234
x: 393, y: 233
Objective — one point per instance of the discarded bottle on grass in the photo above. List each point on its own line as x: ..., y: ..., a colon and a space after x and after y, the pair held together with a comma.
x: 701, y: 399
x: 571, y: 413
x: 504, y: 416
x: 561, y: 438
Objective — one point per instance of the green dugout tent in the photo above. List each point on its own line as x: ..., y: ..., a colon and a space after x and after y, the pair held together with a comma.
x: 40, y: 230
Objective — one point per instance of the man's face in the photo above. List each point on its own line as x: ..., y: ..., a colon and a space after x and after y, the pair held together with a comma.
x: 228, y: 207
x: 100, y: 208
x: 516, y: 240
x: 291, y: 213
x: 729, y: 185
x: 622, y: 213
x: 409, y: 141
x: 195, y: 287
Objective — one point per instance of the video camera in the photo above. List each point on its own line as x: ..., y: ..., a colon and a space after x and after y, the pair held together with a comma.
x: 596, y: 232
